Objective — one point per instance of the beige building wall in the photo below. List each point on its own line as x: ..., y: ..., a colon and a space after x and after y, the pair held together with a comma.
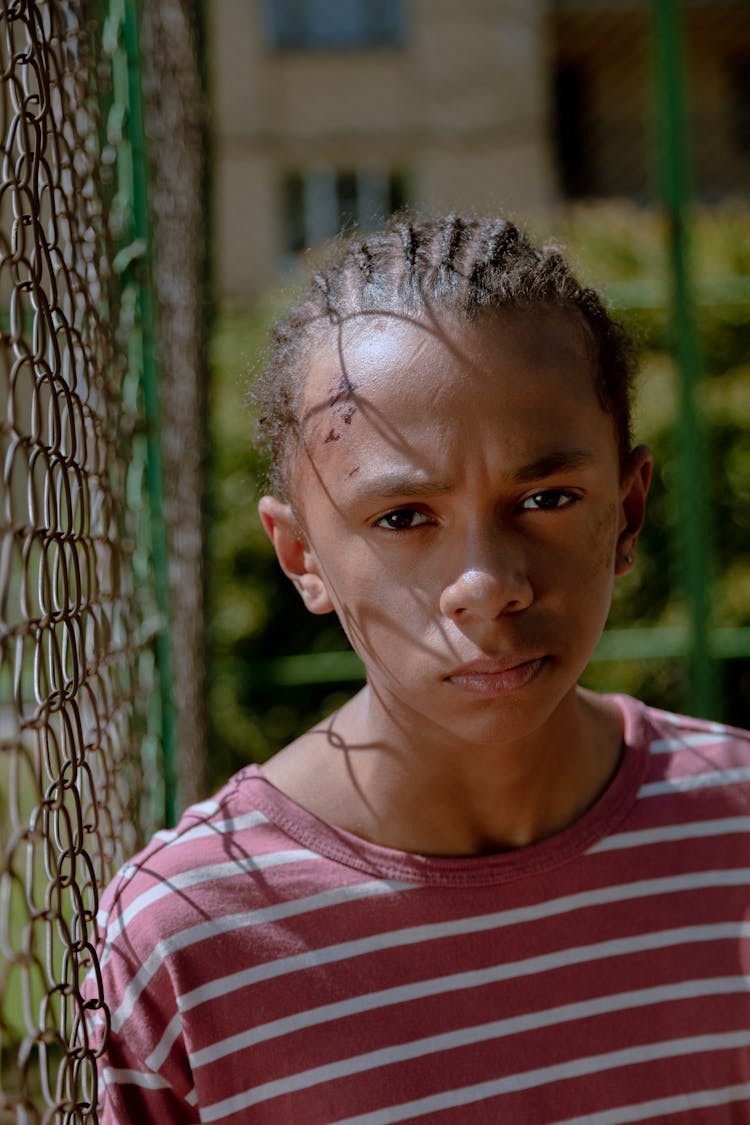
x: 460, y: 108
x: 486, y: 104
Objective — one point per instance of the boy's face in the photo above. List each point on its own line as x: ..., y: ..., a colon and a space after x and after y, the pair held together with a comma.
x: 463, y: 510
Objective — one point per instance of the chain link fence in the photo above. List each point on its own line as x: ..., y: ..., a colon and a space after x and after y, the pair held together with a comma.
x: 83, y: 601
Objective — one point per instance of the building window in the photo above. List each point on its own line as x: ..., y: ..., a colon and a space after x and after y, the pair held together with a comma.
x: 320, y: 24
x: 571, y: 133
x: 739, y: 94
x: 320, y: 202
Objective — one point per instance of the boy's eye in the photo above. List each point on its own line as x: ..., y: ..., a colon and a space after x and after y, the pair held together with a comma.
x: 550, y: 500
x: 402, y: 519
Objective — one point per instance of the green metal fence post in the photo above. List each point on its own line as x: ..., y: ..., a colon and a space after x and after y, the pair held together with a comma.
x: 147, y: 323
x: 674, y: 160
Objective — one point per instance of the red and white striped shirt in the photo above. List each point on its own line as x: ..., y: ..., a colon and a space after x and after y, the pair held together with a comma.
x: 262, y: 966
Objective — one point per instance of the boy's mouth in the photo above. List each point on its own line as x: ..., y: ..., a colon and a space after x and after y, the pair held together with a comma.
x: 492, y: 677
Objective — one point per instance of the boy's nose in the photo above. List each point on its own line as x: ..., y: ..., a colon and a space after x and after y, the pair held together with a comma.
x: 488, y: 587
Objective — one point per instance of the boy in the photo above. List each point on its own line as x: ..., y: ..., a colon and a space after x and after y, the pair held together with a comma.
x: 476, y: 892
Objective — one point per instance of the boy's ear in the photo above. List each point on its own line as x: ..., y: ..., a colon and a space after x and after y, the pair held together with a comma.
x: 636, y: 479
x: 295, y: 557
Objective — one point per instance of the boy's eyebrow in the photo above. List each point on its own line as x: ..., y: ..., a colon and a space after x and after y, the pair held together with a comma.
x: 556, y: 462
x: 405, y: 483
x: 400, y: 483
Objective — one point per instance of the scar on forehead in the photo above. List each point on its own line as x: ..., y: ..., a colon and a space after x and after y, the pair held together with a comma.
x: 344, y: 389
x: 340, y: 404
x: 354, y: 470
x: 333, y: 435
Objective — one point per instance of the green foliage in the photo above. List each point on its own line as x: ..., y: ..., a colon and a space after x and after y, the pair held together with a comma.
x: 256, y: 616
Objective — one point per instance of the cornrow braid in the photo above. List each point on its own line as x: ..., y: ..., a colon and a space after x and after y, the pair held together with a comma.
x: 365, y: 260
x: 454, y: 228
x: 453, y: 265
x: 502, y: 241
x: 411, y: 244
x: 322, y: 283
x: 487, y: 264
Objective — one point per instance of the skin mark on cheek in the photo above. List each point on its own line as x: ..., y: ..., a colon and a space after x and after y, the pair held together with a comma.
x: 603, y: 541
x: 333, y: 435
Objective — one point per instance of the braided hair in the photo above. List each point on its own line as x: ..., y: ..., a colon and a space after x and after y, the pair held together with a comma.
x: 456, y: 265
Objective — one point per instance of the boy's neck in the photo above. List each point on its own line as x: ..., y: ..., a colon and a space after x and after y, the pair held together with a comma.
x: 425, y: 794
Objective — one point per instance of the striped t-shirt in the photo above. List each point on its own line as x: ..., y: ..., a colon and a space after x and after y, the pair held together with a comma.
x: 262, y: 966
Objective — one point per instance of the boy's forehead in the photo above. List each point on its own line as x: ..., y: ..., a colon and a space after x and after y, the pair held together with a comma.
x: 398, y: 400
x: 348, y: 355
x: 396, y: 355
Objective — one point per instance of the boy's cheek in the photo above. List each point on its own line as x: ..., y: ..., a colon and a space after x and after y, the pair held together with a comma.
x: 588, y: 554
x: 603, y: 542
x: 374, y: 611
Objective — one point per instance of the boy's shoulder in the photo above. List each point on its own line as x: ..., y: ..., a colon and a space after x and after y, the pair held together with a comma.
x: 706, y: 762
x: 201, y: 828
x: 668, y: 732
x: 225, y: 840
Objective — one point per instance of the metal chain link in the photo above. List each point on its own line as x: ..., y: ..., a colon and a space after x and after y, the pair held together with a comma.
x: 77, y: 617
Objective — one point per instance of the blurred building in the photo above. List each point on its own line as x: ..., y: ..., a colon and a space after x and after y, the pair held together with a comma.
x: 328, y: 112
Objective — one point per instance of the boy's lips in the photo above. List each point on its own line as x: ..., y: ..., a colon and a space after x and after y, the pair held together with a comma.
x: 491, y: 676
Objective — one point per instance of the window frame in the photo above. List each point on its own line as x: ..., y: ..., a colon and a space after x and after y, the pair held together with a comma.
x: 317, y: 25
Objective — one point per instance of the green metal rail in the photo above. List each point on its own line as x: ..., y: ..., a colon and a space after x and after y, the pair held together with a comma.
x: 673, y: 155
x: 644, y: 643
